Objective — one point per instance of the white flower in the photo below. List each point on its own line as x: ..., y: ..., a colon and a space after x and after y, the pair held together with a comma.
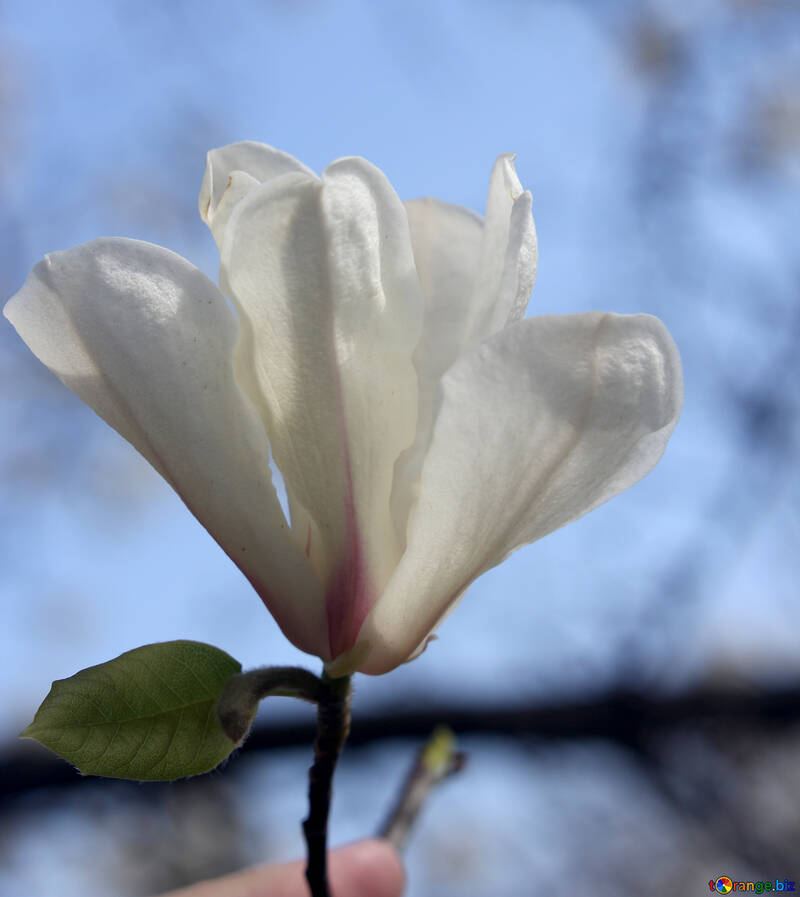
x: 423, y: 427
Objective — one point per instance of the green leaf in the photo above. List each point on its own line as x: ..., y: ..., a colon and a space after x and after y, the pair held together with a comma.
x: 150, y: 714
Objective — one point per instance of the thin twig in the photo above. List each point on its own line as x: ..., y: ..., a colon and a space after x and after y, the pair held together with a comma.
x: 333, y: 725
x: 437, y: 760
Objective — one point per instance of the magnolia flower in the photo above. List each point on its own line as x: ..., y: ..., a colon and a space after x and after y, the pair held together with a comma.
x: 378, y: 352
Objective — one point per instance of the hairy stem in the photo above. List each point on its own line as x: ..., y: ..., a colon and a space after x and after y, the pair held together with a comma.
x: 333, y: 725
x: 239, y: 700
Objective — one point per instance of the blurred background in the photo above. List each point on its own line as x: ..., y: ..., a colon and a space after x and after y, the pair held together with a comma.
x: 628, y: 689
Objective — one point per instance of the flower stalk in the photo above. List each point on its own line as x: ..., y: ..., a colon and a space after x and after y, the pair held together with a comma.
x: 333, y: 726
x: 240, y: 698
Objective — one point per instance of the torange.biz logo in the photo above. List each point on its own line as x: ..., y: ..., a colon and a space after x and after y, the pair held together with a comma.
x: 725, y: 885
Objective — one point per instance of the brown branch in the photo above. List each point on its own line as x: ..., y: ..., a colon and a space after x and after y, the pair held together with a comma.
x: 436, y: 760
x: 333, y: 725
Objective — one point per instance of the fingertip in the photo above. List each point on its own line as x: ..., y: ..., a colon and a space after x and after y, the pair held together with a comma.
x: 368, y: 868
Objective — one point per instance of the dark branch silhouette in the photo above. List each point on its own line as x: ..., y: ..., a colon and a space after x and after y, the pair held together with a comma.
x: 621, y: 716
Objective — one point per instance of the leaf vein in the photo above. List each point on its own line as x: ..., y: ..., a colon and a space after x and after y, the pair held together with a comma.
x: 163, y: 758
x: 142, y: 743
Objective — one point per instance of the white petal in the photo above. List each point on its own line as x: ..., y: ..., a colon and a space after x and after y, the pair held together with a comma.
x: 520, y: 265
x: 323, y: 276
x: 447, y: 243
x: 232, y: 171
x: 543, y: 422
x: 477, y: 277
x: 147, y: 340
x: 509, y: 254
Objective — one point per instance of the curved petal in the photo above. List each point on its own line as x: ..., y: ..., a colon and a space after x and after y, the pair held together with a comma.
x: 147, y: 340
x: 477, y: 277
x: 232, y: 171
x: 509, y: 254
x: 323, y: 276
x: 519, y: 266
x: 239, y: 185
x: 543, y: 422
x: 447, y: 241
